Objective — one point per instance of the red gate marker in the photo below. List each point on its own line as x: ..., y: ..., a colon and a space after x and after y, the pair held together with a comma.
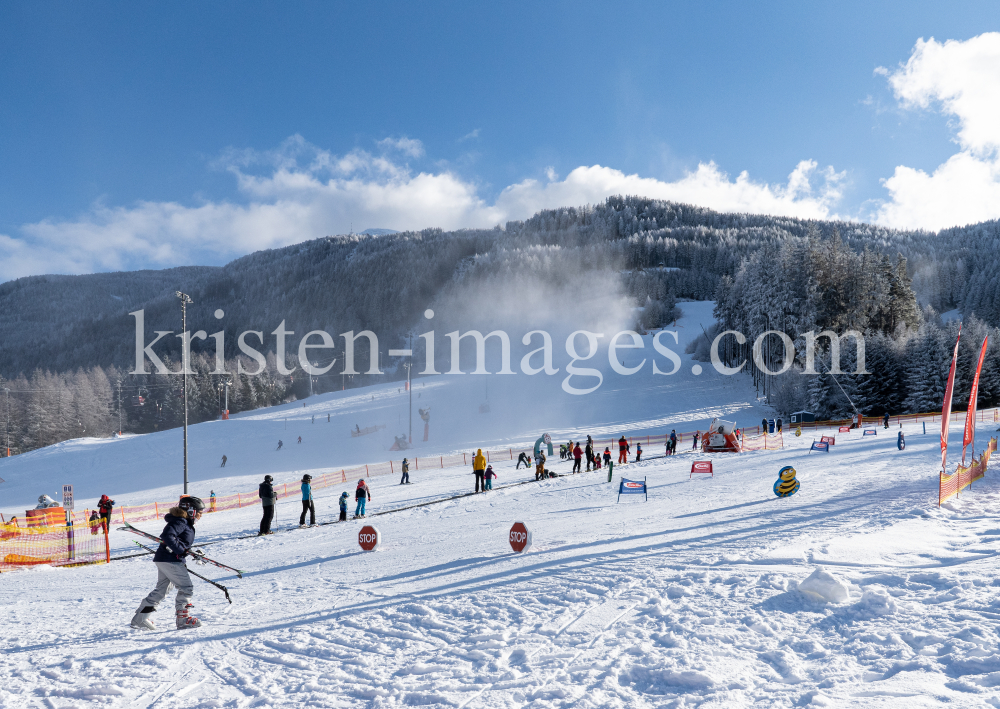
x: 520, y: 537
x: 369, y: 538
x: 702, y: 466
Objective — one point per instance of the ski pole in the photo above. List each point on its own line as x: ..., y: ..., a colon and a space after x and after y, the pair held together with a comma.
x: 129, y: 528
x: 194, y: 573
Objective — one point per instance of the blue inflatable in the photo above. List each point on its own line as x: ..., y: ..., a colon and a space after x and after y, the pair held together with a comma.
x: 900, y: 441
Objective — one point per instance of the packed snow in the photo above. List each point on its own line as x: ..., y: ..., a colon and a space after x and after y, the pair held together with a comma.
x: 856, y: 591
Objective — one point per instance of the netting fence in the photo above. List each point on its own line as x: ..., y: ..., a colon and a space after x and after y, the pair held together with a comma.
x: 66, y: 545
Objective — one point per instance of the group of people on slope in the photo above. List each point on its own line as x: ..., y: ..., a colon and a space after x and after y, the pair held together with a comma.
x: 269, y: 501
x: 485, y: 475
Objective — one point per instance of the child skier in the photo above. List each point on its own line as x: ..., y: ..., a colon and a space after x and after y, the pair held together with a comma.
x: 488, y: 482
x: 607, y: 456
x: 343, y: 506
x: 405, y: 480
x: 177, y: 538
x: 638, y: 452
x: 362, y: 495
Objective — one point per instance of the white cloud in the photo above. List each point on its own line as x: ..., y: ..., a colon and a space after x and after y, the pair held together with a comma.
x: 298, y: 192
x: 962, y: 80
x: 410, y: 146
x: 469, y: 136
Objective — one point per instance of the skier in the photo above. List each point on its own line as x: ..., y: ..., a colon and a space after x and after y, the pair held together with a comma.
x: 224, y: 459
x: 777, y: 425
x: 622, y: 450
x: 523, y: 457
x: 597, y: 462
x: 488, y: 478
x: 105, y: 505
x: 540, y: 467
x: 313, y: 418
x: 328, y: 418
x: 94, y: 522
x: 589, y: 452
x: 300, y: 439
x: 697, y: 435
x: 562, y: 451
x: 362, y: 494
x: 307, y: 502
x: 280, y: 444
x: 607, y: 456
x: 577, y: 458
x: 638, y: 452
x: 268, y: 500
x: 177, y: 536
x: 673, y: 441
x: 763, y: 425
x: 343, y: 506
x: 405, y: 480
x: 479, y: 470
x: 885, y: 419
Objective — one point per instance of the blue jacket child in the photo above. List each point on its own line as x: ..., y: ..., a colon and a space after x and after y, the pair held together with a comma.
x: 343, y: 506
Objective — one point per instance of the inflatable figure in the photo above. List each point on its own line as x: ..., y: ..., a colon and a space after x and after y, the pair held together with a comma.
x: 798, y: 431
x: 900, y: 441
x: 786, y: 485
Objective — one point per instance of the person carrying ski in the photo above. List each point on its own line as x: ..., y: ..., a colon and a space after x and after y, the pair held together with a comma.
x: 362, y: 494
x: 607, y: 456
x: 588, y: 452
x: 176, y: 540
x: 405, y: 480
x: 224, y: 459
x: 268, y: 500
x: 479, y: 470
x: 638, y: 452
x: 307, y: 502
x: 523, y: 457
x: 488, y: 478
x: 105, y: 505
x: 343, y: 506
x: 622, y: 450
x: 577, y: 458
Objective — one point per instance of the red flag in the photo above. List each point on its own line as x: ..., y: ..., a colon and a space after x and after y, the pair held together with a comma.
x: 946, y: 409
x: 970, y: 415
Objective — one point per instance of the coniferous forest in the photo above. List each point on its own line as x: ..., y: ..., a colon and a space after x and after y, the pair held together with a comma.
x: 68, y: 342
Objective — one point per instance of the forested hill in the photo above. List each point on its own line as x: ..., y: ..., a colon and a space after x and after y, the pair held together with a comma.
x: 383, y: 282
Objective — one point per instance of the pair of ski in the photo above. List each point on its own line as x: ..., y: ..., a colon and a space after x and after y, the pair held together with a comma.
x: 199, y: 557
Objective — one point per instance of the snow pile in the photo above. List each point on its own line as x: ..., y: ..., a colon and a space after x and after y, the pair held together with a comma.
x: 825, y: 586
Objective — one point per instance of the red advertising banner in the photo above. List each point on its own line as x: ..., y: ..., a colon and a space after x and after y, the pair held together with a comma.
x: 970, y: 414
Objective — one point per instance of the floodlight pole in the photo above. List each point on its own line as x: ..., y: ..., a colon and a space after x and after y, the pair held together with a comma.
x: 185, y: 299
x: 7, y: 392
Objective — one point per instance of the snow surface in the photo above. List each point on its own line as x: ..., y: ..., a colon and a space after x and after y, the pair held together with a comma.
x: 694, y: 598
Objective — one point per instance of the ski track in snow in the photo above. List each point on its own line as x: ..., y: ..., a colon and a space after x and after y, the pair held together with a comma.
x: 689, y: 599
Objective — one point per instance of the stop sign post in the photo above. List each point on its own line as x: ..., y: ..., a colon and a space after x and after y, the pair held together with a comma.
x: 369, y: 538
x: 520, y: 537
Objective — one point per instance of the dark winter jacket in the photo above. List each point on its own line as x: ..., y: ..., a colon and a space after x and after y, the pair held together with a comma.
x: 176, y: 538
x: 622, y: 443
x: 105, y: 505
x: 267, y: 496
x: 362, y: 491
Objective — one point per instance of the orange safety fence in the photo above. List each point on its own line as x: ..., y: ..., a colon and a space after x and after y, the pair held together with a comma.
x: 763, y: 442
x: 64, y: 545
x: 951, y: 485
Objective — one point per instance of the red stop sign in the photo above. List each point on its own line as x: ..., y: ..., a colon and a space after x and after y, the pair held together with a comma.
x: 520, y: 537
x: 369, y: 538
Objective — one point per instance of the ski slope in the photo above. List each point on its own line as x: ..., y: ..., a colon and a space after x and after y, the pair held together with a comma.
x: 690, y: 599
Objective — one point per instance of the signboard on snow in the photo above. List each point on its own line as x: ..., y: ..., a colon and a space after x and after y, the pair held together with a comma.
x: 844, y: 429
x: 702, y: 466
x: 870, y: 432
x: 632, y: 487
x: 828, y: 439
x: 369, y: 538
x: 820, y: 446
x: 68, y: 498
x: 520, y: 537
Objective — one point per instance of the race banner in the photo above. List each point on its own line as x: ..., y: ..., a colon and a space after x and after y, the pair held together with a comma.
x: 632, y: 487
x: 946, y: 408
x: 970, y: 414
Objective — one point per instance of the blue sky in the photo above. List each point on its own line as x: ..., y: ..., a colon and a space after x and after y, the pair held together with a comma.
x: 154, y: 134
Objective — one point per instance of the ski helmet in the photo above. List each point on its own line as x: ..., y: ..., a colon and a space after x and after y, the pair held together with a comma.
x: 307, y: 478
x: 191, y: 504
x: 268, y: 479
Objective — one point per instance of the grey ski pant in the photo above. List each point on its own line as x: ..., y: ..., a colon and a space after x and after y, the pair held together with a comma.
x: 171, y: 573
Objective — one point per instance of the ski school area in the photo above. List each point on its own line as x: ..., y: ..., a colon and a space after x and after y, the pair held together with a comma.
x: 838, y: 572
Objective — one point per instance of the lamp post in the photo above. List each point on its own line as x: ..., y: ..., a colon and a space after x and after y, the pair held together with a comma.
x: 7, y: 392
x: 185, y: 299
